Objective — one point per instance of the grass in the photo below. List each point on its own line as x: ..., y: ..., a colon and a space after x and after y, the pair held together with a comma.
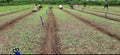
x: 26, y: 35
x: 77, y: 37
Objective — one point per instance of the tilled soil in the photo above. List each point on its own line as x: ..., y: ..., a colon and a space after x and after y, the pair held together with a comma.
x: 12, y: 12
x: 96, y: 26
x: 50, y: 41
x: 110, y: 18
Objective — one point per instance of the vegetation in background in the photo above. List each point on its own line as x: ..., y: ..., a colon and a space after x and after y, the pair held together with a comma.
x: 89, y: 2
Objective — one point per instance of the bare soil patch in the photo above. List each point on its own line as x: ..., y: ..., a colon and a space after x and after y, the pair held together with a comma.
x: 50, y: 45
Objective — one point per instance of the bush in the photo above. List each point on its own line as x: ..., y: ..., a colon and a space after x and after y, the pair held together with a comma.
x: 89, y: 2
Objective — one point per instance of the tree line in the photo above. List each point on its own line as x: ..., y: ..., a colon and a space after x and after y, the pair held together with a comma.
x: 87, y: 2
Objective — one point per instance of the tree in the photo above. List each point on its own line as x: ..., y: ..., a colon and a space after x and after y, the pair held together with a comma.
x: 7, y: 1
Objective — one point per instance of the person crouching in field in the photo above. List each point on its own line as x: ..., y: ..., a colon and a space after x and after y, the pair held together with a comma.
x: 71, y: 6
x: 60, y: 7
x: 36, y: 8
x: 106, y: 5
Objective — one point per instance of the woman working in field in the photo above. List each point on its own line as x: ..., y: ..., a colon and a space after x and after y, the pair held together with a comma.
x: 36, y: 8
x: 60, y: 7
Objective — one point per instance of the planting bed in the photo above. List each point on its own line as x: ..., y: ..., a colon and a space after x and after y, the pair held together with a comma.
x: 8, y: 9
x: 12, y: 12
x: 25, y: 34
x: 111, y: 8
x: 101, y: 15
x: 78, y: 37
x: 7, y: 19
x: 104, y: 23
x: 95, y: 25
x: 117, y: 14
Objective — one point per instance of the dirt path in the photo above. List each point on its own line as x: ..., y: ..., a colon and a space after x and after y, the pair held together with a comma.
x: 12, y: 12
x: 110, y: 18
x: 50, y: 41
x: 103, y: 12
x: 96, y: 26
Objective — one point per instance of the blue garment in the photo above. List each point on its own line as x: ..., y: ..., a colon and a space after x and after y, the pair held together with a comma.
x: 17, y: 53
x: 71, y: 6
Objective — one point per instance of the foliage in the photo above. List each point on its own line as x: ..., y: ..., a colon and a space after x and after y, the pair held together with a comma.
x: 89, y: 2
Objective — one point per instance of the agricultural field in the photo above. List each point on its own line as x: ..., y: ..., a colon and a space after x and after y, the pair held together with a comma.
x: 59, y: 31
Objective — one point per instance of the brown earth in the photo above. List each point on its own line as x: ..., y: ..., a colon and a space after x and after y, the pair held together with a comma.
x: 96, y: 26
x: 12, y: 12
x: 110, y: 18
x: 50, y: 45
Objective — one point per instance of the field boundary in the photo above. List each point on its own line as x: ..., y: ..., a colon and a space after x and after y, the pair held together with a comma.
x: 95, y: 25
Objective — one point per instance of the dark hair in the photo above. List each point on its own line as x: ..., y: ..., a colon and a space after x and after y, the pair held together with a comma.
x: 36, y: 4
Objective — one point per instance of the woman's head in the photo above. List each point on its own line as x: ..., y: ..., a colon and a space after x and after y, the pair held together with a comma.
x: 36, y: 4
